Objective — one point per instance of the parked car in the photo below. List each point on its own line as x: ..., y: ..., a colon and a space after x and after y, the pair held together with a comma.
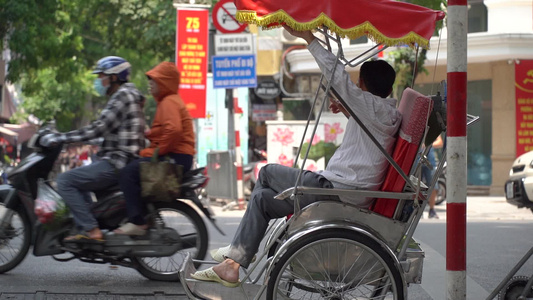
x: 519, y: 186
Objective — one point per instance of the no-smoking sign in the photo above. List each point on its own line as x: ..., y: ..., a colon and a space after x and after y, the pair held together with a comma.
x: 224, y: 17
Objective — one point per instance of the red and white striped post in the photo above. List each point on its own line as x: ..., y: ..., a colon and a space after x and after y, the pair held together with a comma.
x: 238, y: 154
x: 456, y: 152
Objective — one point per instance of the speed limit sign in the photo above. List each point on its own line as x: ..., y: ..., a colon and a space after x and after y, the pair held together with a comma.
x: 224, y: 20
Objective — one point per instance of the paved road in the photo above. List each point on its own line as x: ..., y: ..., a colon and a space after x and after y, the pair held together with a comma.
x: 43, y: 278
x: 495, y: 230
x: 498, y: 235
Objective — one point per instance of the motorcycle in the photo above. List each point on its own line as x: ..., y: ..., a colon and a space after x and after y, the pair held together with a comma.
x: 441, y: 193
x: 251, y: 172
x: 176, y: 227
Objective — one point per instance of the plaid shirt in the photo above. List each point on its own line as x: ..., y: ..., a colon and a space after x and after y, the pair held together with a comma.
x: 121, y: 124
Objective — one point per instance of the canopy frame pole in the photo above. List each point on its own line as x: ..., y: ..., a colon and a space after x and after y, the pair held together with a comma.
x: 327, y: 89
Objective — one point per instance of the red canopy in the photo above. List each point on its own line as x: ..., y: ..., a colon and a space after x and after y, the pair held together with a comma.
x: 384, y: 21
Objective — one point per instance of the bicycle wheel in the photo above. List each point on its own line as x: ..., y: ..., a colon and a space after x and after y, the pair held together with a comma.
x: 514, y: 288
x: 190, y: 226
x: 340, y: 264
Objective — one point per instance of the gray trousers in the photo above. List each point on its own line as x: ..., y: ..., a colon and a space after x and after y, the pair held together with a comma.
x: 272, y: 180
x: 75, y: 185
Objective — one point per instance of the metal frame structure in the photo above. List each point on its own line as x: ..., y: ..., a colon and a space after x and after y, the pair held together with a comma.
x: 391, y: 235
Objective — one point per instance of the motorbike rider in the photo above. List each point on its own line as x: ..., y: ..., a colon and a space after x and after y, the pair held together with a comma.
x: 121, y: 125
x: 172, y: 133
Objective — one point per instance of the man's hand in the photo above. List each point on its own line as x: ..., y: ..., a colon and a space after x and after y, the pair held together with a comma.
x: 306, y: 35
x: 336, y: 107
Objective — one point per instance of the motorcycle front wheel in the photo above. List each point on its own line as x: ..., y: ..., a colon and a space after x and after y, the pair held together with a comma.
x: 14, y: 238
x: 190, y: 226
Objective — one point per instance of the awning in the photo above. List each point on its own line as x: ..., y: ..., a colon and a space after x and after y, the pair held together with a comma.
x: 384, y: 21
x: 23, y: 132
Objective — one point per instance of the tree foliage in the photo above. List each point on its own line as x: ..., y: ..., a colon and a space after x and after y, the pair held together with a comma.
x: 55, y: 43
x: 408, y: 62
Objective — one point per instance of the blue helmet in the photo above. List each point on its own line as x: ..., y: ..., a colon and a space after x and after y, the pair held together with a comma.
x: 114, y: 65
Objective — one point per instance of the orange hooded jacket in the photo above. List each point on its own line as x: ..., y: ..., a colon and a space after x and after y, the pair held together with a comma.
x: 172, y: 129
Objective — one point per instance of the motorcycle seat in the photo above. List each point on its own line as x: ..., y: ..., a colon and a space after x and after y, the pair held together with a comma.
x: 100, y: 194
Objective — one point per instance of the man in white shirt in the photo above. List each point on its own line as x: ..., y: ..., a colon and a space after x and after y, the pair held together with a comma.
x: 356, y: 164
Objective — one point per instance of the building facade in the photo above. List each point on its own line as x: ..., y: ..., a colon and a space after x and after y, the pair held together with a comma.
x: 500, y: 38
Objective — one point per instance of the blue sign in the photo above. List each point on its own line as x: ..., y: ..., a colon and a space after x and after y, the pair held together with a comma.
x: 234, y: 71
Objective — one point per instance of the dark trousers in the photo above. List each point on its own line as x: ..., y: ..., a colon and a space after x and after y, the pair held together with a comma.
x: 130, y: 184
x: 273, y: 179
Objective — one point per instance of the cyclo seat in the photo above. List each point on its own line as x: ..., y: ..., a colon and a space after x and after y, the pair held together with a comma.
x: 378, y: 219
x: 415, y: 109
x: 377, y: 222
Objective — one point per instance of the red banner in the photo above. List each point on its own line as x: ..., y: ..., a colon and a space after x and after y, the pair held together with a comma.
x: 192, y: 36
x: 524, y: 106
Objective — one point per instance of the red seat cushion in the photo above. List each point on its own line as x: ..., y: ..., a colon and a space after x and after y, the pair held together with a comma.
x: 415, y: 109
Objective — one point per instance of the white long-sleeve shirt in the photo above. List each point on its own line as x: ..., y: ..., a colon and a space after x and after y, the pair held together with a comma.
x: 358, y: 163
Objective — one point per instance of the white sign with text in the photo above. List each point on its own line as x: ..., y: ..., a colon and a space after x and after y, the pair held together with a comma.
x: 234, y: 44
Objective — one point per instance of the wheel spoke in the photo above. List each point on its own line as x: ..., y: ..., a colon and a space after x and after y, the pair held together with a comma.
x: 338, y: 267
x: 15, y: 240
x: 192, y: 236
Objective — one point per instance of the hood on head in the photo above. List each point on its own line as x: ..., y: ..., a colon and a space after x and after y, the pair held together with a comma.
x: 167, y: 77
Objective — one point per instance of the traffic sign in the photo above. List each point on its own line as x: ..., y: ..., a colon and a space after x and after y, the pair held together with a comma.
x: 224, y: 20
x: 234, y: 71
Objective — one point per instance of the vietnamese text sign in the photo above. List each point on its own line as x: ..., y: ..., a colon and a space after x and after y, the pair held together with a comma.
x: 267, y: 89
x: 191, y: 58
x: 264, y: 112
x: 234, y: 71
x: 524, y: 106
x: 234, y: 44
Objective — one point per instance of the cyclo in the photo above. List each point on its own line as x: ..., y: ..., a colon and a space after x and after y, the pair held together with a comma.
x: 334, y: 249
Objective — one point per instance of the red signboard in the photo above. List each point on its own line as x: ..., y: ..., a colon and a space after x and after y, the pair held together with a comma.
x: 192, y: 37
x: 524, y: 106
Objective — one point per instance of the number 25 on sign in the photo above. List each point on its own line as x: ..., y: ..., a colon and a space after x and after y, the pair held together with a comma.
x: 193, y: 24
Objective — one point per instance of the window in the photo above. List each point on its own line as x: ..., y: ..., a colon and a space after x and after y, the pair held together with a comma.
x: 477, y: 16
x: 479, y: 134
x: 360, y: 40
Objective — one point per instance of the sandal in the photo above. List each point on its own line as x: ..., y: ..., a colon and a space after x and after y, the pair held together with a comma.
x: 131, y: 229
x: 210, y: 275
x: 83, y: 238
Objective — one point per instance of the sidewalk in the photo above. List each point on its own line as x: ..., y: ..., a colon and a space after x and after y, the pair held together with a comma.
x: 488, y: 208
x: 478, y: 208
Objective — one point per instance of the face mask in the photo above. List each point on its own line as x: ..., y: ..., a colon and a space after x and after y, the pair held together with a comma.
x: 99, y: 87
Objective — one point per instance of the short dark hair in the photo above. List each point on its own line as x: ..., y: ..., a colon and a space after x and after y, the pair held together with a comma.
x: 378, y: 77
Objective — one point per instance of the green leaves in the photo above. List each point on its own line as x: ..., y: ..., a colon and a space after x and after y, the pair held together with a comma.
x: 404, y: 60
x: 55, y: 43
x: 319, y: 150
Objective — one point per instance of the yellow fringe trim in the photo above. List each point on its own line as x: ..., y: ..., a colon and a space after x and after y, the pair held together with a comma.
x: 250, y: 17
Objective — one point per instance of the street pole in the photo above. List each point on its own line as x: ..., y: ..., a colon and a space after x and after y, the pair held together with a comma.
x: 456, y: 152
x: 234, y: 145
x: 231, y: 141
x: 238, y: 157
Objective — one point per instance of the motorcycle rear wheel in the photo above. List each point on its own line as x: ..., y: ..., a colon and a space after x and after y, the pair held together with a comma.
x: 441, y: 193
x: 14, y: 239
x: 191, y: 227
